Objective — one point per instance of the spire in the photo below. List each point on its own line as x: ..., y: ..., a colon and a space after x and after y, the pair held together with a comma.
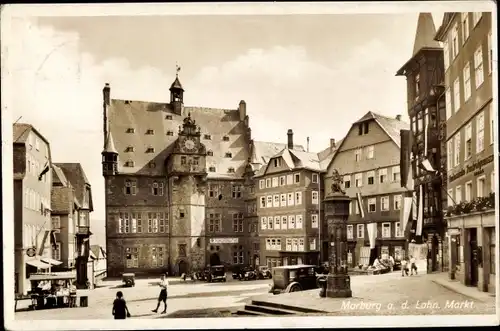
x: 176, y: 85
x: 426, y: 31
x: 109, y: 145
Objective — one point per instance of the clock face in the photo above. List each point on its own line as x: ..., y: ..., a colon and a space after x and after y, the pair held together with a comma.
x: 189, y: 144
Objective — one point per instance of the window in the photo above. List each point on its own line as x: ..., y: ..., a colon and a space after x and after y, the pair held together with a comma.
x: 465, y: 27
x: 417, y: 86
x: 298, y: 198
x: 211, y: 169
x: 273, y: 244
x: 315, y: 178
x: 270, y: 223
x: 312, y: 244
x: 210, y: 153
x: 150, y: 131
x: 468, y: 141
x: 284, y: 222
x: 56, y: 223
x: 315, y: 197
x: 450, y: 198
x: 283, y: 200
x: 207, y: 137
x: 277, y: 163
x: 382, y: 175
x: 347, y: 181
x: 458, y: 194
x: 153, y: 222
x: 358, y: 180
x: 449, y: 150
x: 225, y: 138
x: 357, y: 155
x: 478, y: 66
x: 386, y: 230
x: 130, y: 149
x: 277, y: 222
x: 480, y: 132
x: 476, y: 17
x: 170, y: 133
x: 397, y: 201
x: 448, y: 103
x: 371, y: 177
x: 157, y: 257
x: 238, y: 222
x: 182, y: 249
x: 269, y: 200
x: 282, y: 181
x: 398, y: 230
x: 289, y: 179
x: 56, y: 252
x: 467, y: 88
x: 290, y: 199
x: 268, y: 182
x: 454, y: 42
x: 157, y: 188
x: 481, y: 186
x: 360, y: 231
x: 288, y: 244
x: 275, y: 181
x: 298, y: 222
x: 492, y: 181
x: 291, y: 221
x: 468, y: 191
x: 372, y: 205
x: 314, y: 221
x: 261, y: 184
x: 263, y: 223
x: 150, y: 150
x: 350, y: 231
x: 446, y: 53
x: 396, y: 174
x: 162, y: 222
x: 370, y: 152
x: 214, y: 223
x: 384, y: 201
x: 129, y: 164
x: 228, y: 155
x: 238, y: 257
x: 236, y: 191
x: 130, y: 187
x: 490, y: 54
x: 301, y: 245
x: 213, y: 191
x: 456, y: 152
x: 456, y: 98
x: 297, y: 178
x: 276, y: 200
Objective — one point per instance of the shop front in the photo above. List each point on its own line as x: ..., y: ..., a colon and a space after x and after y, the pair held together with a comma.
x: 228, y: 251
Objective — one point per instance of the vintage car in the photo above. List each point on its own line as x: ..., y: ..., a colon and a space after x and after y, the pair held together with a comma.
x: 128, y: 279
x: 217, y: 273
x: 236, y: 272
x: 264, y: 272
x: 294, y: 278
x: 248, y: 273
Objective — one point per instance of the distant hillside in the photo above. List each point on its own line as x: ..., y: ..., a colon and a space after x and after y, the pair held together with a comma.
x: 98, y: 230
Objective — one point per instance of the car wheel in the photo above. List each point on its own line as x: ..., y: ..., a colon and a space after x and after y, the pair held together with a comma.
x: 295, y: 288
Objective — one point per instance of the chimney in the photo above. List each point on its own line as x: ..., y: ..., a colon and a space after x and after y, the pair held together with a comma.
x: 398, y: 117
x: 242, y: 108
x: 290, y: 139
x: 308, y: 144
x: 333, y: 144
x: 105, y: 105
x: 105, y: 94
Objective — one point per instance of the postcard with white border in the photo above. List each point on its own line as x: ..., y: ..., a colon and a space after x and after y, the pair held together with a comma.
x: 249, y: 165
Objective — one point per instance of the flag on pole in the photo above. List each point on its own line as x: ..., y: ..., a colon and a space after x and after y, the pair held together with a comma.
x: 420, y: 216
x: 427, y: 166
x: 425, y: 137
x: 360, y: 204
x: 414, y: 206
x: 405, y: 212
x: 44, y: 171
x: 372, y: 234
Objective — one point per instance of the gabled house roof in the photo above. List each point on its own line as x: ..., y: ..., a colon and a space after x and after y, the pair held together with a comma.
x: 76, y: 176
x: 445, y: 26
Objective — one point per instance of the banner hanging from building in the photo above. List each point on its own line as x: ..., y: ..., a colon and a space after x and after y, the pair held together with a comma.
x: 405, y: 212
x: 405, y: 157
x: 372, y: 234
x: 420, y: 215
x: 360, y: 204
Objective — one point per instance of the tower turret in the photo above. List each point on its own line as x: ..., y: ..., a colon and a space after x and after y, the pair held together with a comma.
x: 177, y: 94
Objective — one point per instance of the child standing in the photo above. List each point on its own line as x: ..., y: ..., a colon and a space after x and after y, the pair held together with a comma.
x: 404, y: 267
x: 120, y: 310
x: 413, y: 266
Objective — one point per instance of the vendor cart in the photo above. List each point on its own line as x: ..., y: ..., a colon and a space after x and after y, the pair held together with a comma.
x: 53, y: 290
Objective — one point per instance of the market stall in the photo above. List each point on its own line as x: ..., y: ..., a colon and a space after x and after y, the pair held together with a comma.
x: 53, y: 290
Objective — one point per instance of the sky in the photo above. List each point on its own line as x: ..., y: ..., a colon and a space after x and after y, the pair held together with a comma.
x: 315, y: 74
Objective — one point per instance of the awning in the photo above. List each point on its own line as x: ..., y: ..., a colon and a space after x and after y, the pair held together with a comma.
x: 38, y: 264
x: 50, y: 261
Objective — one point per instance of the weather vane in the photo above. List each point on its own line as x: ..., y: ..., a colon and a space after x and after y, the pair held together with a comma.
x: 177, y: 69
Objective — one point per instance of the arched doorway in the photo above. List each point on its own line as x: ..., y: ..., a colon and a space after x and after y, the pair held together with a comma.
x: 214, y: 259
x: 183, y: 267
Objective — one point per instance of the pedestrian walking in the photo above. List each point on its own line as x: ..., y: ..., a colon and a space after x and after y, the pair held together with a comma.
x: 391, y: 262
x: 404, y: 267
x: 413, y: 266
x: 120, y: 309
x: 163, y: 294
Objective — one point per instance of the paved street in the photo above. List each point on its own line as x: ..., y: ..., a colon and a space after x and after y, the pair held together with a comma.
x: 143, y: 297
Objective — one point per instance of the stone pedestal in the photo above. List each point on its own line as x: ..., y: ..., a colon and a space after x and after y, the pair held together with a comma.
x: 336, y: 214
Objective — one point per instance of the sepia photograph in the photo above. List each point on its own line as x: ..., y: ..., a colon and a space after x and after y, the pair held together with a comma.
x: 249, y: 165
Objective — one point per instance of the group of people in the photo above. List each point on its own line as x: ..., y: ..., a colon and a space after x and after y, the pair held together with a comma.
x: 120, y: 309
x: 412, y: 266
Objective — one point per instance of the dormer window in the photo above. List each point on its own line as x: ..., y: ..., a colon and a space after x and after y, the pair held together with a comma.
x: 150, y: 131
x: 130, y: 130
x: 207, y: 137
x: 277, y: 163
x: 129, y: 149
x: 168, y: 117
x: 152, y: 165
x: 129, y: 163
x: 211, y: 169
x: 230, y: 170
x: 150, y: 150
x: 210, y: 153
x: 170, y: 133
x: 229, y: 155
x: 225, y: 138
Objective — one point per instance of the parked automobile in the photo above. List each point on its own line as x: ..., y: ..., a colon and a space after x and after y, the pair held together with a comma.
x: 264, y: 272
x: 128, y: 279
x: 236, y: 272
x: 248, y: 273
x: 294, y: 278
x: 217, y: 273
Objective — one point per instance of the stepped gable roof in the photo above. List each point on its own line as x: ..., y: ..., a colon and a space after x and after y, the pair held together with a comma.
x: 142, y: 116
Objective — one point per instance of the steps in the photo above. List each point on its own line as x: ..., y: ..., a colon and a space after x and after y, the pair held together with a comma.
x: 263, y: 308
